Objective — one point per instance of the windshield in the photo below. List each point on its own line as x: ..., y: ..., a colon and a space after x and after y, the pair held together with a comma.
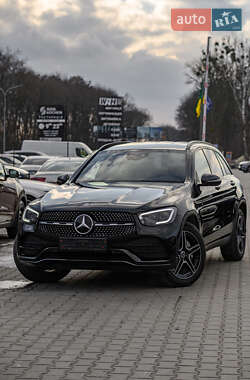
x: 10, y: 160
x: 61, y: 166
x: 138, y: 165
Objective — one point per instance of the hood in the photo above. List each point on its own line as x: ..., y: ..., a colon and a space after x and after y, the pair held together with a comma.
x: 123, y: 195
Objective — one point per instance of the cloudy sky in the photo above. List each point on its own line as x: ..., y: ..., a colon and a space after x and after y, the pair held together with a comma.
x: 127, y: 45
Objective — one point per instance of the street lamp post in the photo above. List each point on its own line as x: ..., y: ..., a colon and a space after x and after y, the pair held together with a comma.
x: 5, y: 93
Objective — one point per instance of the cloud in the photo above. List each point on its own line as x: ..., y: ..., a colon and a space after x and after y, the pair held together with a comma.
x: 124, y: 44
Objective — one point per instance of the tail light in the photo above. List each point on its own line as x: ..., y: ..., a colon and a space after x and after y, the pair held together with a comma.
x: 42, y: 179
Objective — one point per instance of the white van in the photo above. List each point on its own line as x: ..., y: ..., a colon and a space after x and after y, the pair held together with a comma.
x: 57, y: 148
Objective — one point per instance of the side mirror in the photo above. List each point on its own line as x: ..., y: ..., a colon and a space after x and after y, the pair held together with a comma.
x: 210, y: 180
x: 13, y: 173
x: 62, y: 179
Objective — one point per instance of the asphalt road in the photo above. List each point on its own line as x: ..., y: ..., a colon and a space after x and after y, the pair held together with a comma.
x: 102, y: 325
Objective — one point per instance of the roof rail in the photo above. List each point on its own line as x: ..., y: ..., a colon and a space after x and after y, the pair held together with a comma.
x: 193, y: 142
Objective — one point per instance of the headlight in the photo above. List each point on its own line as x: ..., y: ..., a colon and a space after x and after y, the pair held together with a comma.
x: 30, y: 215
x: 154, y: 218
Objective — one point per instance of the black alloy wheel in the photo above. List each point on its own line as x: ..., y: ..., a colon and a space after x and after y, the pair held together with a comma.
x: 241, y: 233
x: 235, y: 249
x: 190, y: 258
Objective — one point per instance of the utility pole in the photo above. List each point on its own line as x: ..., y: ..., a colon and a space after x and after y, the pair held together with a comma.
x: 204, y: 124
x: 5, y: 93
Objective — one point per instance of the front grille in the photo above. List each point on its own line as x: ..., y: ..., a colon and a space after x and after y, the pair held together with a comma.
x: 124, y: 224
x: 97, y: 216
x: 98, y: 232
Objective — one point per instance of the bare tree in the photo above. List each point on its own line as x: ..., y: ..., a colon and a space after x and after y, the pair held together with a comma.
x: 229, y: 65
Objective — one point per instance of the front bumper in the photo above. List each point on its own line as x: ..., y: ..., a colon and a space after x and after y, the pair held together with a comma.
x: 127, y: 243
x: 139, y: 251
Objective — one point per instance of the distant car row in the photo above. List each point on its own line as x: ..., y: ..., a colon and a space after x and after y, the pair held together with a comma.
x: 17, y: 189
x: 43, y: 168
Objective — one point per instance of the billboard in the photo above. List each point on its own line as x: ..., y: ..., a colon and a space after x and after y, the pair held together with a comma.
x: 51, y: 121
x: 110, y: 118
x: 110, y: 111
x: 106, y: 133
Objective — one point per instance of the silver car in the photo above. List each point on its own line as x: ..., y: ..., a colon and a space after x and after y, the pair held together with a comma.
x: 56, y: 167
x: 33, y: 163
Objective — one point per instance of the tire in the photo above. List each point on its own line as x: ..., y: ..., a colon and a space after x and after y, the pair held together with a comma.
x: 235, y: 249
x: 37, y: 274
x: 190, y: 259
x: 12, y: 231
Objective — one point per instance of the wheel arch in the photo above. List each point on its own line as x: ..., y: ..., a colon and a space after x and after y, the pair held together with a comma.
x: 243, y: 207
x: 22, y: 198
x: 193, y: 218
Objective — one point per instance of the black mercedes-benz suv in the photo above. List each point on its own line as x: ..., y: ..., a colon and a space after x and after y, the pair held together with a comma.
x: 144, y: 206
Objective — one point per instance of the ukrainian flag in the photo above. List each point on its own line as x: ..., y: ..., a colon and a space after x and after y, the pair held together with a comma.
x: 199, y: 103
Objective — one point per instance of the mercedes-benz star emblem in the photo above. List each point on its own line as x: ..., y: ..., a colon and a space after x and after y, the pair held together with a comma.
x: 83, y: 224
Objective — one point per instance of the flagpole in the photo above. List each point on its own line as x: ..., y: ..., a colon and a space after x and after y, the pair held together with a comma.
x: 205, y: 93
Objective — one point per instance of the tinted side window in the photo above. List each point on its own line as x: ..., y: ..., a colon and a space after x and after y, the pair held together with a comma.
x: 201, y: 165
x: 80, y: 152
x: 213, y: 162
x: 223, y: 164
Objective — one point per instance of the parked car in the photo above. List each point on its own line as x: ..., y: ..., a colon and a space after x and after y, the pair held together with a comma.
x: 12, y: 201
x: 19, y: 157
x: 58, y: 148
x: 35, y: 189
x: 25, y: 153
x: 52, y: 169
x: 33, y: 163
x: 146, y: 206
x: 21, y: 172
x: 10, y: 160
x: 244, y: 166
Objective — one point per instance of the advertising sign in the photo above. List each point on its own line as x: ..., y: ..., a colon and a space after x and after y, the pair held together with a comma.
x: 110, y: 117
x: 50, y: 122
x: 107, y: 133
x: 110, y: 111
x: 229, y: 156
